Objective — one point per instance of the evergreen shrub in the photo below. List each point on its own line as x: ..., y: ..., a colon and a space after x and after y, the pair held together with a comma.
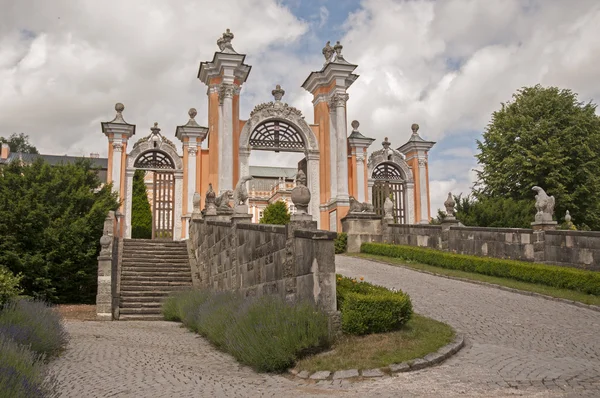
x: 548, y: 275
x: 341, y: 243
x: 368, y: 308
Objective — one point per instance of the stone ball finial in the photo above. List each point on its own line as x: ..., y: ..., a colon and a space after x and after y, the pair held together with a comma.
x: 355, y: 125
x: 414, y: 128
x: 119, y: 107
x: 192, y: 113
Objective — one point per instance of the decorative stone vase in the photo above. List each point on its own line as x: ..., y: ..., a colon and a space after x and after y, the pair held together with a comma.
x: 105, y: 241
x: 388, y: 209
x: 301, y: 198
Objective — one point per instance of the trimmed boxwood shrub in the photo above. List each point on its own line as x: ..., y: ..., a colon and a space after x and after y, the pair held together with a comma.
x: 368, y: 308
x: 341, y: 243
x: 548, y: 275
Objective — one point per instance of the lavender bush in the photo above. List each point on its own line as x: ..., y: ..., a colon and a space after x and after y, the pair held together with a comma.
x: 267, y: 334
x: 35, y: 325
x: 22, y: 372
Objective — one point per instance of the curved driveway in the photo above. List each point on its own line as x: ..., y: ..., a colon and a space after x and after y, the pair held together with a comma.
x: 516, y: 346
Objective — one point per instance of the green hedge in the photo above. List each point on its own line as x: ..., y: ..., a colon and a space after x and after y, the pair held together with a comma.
x: 548, y: 275
x: 367, y: 308
x: 341, y: 243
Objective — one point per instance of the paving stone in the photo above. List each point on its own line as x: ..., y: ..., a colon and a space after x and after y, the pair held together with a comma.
x: 399, y: 367
x: 372, y: 373
x: 552, y: 347
x: 304, y: 374
x: 345, y: 374
x: 322, y: 375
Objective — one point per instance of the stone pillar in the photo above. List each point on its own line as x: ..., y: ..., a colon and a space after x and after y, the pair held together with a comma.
x: 191, y: 175
x: 333, y: 153
x: 312, y: 166
x: 104, y: 295
x: 116, y: 166
x: 362, y: 228
x: 410, y: 203
x: 226, y: 91
x: 128, y: 199
x: 178, y: 205
x: 360, y: 176
x: 244, y: 155
x: 338, y: 101
x: 423, y: 194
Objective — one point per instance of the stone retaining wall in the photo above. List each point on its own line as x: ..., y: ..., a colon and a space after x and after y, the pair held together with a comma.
x: 295, y: 262
x: 511, y: 243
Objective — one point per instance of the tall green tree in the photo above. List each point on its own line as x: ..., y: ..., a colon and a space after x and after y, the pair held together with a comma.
x: 51, y: 223
x: 19, y: 143
x: 543, y: 137
x: 141, y: 214
x: 275, y: 213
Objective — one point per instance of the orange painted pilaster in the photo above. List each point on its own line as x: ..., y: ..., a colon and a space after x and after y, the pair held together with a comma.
x: 322, y: 119
x: 366, y: 180
x: 185, y: 177
x: 352, y: 170
x: 342, y: 211
x: 122, y: 177
x: 206, y: 176
x: 428, y: 198
x: 110, y: 159
x: 213, y: 139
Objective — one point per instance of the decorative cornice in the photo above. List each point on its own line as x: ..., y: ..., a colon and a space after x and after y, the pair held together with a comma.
x: 276, y: 109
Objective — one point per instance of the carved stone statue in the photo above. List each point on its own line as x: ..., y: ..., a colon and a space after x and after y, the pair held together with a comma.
x: 388, y: 209
x: 328, y: 52
x: 196, y: 203
x: 210, y: 206
x: 278, y: 93
x: 240, y: 196
x: 568, y: 220
x: 449, y: 205
x: 338, y: 51
x: 222, y: 202
x: 357, y: 207
x: 301, y: 194
x: 544, y: 205
x: 224, y: 42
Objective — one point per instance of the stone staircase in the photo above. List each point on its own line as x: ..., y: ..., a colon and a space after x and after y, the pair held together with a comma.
x: 150, y: 271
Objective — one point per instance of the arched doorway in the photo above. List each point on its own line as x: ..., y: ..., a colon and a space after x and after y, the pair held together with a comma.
x: 277, y: 127
x: 158, y: 157
x: 389, y: 183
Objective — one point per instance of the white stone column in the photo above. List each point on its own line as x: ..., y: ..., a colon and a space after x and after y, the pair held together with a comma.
x: 410, y: 202
x: 424, y: 216
x: 178, y: 205
x: 128, y: 199
x: 191, y: 176
x: 313, y: 183
x: 370, y: 184
x: 116, y: 166
x: 339, y: 101
x: 360, y: 174
x: 226, y: 91
x: 332, y: 152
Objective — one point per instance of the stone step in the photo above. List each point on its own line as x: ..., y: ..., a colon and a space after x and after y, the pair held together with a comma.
x: 141, y: 317
x: 156, y: 272
x: 160, y: 269
x: 155, y: 248
x: 149, y: 311
x: 143, y: 299
x: 153, y: 242
x: 153, y: 263
x: 149, y: 294
x: 154, y: 288
x: 141, y: 304
x: 159, y: 255
x: 130, y: 279
x: 126, y: 283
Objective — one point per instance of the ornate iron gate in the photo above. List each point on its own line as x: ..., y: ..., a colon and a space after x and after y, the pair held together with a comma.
x: 389, y: 183
x: 163, y: 219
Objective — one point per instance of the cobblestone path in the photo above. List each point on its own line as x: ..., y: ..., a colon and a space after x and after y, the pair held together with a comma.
x: 516, y: 346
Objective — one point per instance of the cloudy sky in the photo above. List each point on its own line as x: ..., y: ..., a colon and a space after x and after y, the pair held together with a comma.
x: 445, y: 64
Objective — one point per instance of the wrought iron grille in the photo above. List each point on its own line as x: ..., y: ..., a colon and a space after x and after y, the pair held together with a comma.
x: 276, y: 135
x: 163, y: 215
x: 394, y: 191
x: 154, y: 160
x: 387, y: 171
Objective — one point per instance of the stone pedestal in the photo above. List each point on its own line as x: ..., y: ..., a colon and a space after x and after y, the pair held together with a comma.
x: 104, y: 295
x: 241, y: 218
x: 544, y: 225
x: 362, y: 228
x: 449, y: 221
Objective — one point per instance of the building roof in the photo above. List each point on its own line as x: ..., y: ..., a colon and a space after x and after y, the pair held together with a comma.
x: 53, y: 159
x: 273, y: 172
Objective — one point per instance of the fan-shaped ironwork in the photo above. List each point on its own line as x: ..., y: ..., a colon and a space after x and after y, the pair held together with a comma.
x: 154, y: 160
x: 276, y: 135
x: 387, y: 171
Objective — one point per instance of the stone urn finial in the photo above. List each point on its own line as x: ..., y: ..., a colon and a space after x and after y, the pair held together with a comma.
x: 355, y: 125
x: 388, y: 209
x: 192, y: 113
x: 449, y: 205
x: 301, y: 194
x: 278, y: 93
x: 196, y: 202
x: 119, y: 107
x: 386, y: 144
x: 209, y: 203
x: 414, y: 128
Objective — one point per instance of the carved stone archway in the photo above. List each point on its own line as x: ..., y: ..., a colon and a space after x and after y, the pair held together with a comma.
x: 158, y: 154
x: 261, y: 133
x: 393, y: 162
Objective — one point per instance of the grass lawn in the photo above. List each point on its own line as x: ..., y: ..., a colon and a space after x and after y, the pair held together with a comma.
x: 529, y: 287
x: 419, y: 337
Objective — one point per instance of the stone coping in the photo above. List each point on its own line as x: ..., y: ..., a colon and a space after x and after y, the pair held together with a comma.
x: 315, y: 234
x: 493, y: 285
x: 490, y: 229
x: 362, y: 216
x: 428, y: 360
x: 592, y: 234
x: 278, y: 229
x: 426, y: 226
